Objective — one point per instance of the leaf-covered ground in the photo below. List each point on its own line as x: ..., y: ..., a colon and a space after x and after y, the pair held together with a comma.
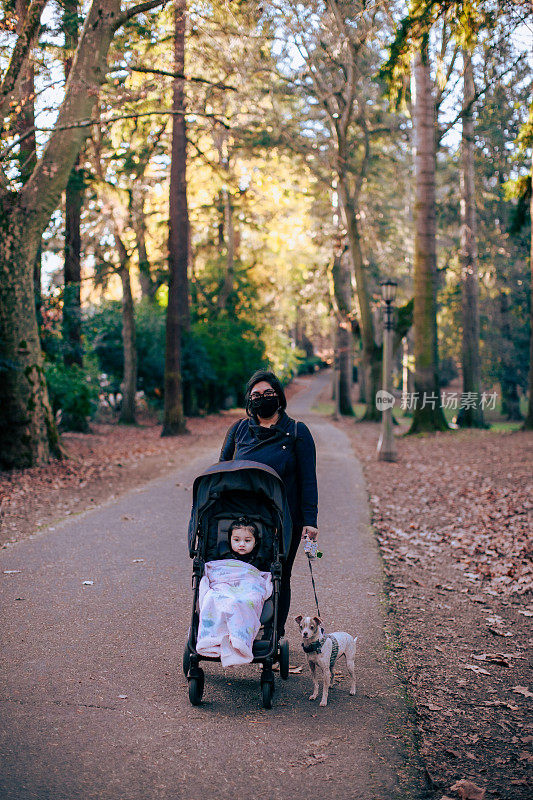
x: 453, y: 517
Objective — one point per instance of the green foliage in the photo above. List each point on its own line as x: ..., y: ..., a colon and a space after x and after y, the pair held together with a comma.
x: 73, y: 393
x: 308, y: 366
x: 103, y: 331
x: 234, y: 350
x: 519, y: 189
x: 218, y: 356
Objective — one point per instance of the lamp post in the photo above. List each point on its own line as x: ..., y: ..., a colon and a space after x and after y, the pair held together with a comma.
x: 386, y: 444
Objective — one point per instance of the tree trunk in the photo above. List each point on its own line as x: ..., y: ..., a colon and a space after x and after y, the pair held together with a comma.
x: 370, y: 353
x: 178, y: 290
x: 227, y: 226
x: 25, y: 127
x: 362, y: 380
x: 344, y: 349
x: 138, y: 221
x: 28, y: 433
x: 469, y: 416
x: 508, y: 380
x: 37, y: 289
x: 129, y: 381
x: 408, y: 386
x: 27, y: 430
x: 72, y: 348
x: 342, y: 303
x: 229, y: 273
x: 528, y: 422
x: 428, y: 414
x: 25, y: 120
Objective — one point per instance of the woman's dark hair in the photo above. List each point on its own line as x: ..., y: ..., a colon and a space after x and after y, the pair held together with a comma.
x: 269, y: 377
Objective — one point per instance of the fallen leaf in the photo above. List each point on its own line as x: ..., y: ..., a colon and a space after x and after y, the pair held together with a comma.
x: 493, y: 658
x: 522, y: 690
x: 315, y: 759
x: 500, y: 703
x: 476, y: 669
x: 499, y: 633
x: 468, y: 790
x: 431, y: 706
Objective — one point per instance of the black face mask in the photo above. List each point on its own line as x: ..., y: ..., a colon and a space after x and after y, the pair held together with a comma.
x: 264, y: 407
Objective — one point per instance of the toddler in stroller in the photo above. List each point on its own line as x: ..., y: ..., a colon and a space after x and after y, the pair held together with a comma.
x: 231, y: 597
x: 239, y: 534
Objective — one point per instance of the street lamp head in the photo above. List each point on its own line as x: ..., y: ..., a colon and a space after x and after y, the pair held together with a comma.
x: 388, y: 290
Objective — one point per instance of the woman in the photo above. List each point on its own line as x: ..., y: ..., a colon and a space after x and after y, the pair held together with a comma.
x: 270, y: 436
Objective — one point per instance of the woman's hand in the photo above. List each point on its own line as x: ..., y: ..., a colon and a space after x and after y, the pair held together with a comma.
x: 309, y: 531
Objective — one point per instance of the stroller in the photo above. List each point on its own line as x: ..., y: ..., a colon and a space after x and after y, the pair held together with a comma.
x: 222, y: 493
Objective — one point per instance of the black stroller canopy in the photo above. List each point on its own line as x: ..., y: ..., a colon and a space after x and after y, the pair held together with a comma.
x: 241, y: 476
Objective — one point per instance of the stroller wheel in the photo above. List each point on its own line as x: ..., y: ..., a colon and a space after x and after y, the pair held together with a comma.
x: 267, y: 690
x: 196, y: 687
x: 186, y: 660
x: 284, y: 658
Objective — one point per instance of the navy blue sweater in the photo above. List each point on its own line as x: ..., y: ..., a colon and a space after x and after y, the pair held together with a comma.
x: 294, y: 459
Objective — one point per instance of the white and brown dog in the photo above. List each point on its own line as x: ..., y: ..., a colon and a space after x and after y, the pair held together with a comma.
x: 322, y: 652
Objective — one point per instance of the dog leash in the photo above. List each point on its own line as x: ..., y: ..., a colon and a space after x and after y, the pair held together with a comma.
x: 311, y: 551
x: 313, y: 581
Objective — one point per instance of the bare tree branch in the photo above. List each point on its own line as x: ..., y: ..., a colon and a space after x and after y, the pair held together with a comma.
x: 138, y: 9
x: 479, y: 94
x: 87, y: 123
x: 151, y: 70
x: 18, y: 56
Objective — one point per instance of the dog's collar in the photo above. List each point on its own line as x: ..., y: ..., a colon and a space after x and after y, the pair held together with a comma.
x: 315, y: 647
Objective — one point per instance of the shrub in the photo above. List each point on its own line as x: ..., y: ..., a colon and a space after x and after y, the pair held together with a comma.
x: 73, y: 393
x: 218, y: 356
x: 308, y: 366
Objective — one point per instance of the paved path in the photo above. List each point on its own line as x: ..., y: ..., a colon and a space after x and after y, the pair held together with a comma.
x: 93, y: 703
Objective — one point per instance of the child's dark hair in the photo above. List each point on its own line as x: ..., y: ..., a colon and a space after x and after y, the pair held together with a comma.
x: 244, y: 522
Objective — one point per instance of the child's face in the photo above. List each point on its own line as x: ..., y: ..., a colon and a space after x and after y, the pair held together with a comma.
x: 242, y: 541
